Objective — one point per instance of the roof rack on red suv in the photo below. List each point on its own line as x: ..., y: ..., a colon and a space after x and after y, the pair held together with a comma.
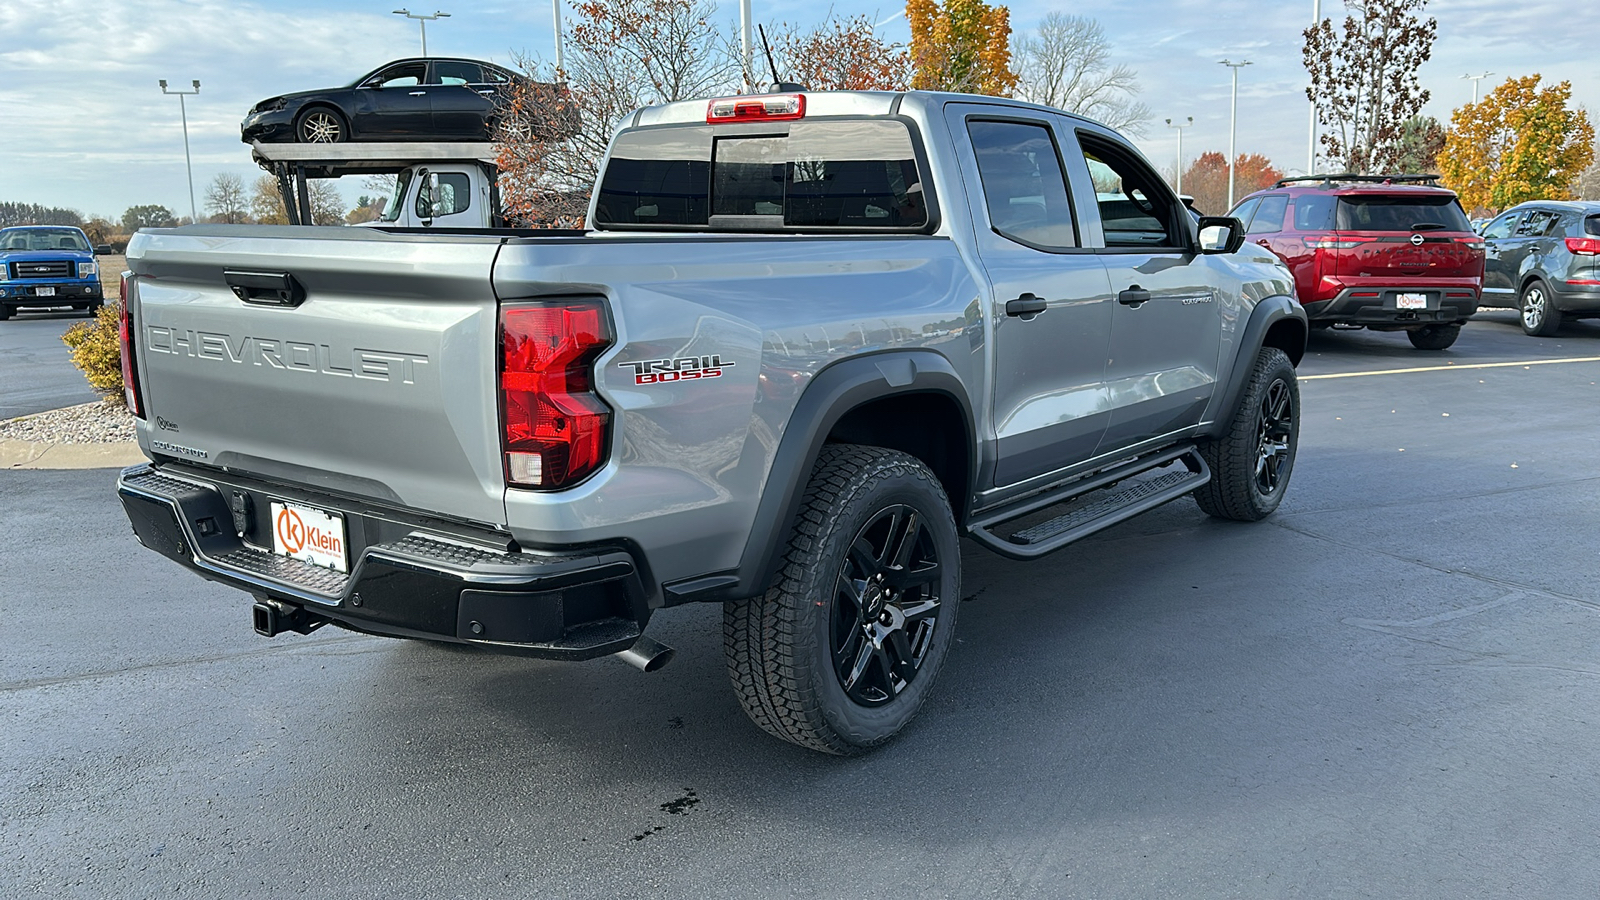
x: 1385, y: 252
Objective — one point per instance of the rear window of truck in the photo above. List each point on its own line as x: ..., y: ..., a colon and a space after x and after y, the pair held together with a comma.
x: 820, y: 175
x: 1379, y: 213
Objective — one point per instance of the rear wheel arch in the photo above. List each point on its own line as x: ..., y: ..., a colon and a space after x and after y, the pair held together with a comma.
x: 838, y: 406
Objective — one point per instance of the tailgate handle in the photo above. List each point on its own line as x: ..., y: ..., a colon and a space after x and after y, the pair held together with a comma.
x: 265, y: 288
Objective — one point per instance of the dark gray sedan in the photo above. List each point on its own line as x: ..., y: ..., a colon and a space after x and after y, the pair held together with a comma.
x: 1544, y: 260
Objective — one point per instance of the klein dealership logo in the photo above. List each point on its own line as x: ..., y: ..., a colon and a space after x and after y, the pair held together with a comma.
x: 686, y: 368
x: 295, y: 536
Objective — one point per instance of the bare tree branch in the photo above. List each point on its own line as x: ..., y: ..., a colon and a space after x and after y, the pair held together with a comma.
x: 1066, y: 63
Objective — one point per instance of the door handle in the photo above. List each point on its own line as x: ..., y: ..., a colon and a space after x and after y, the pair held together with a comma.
x: 419, y: 93
x: 1026, y: 307
x: 488, y: 93
x: 1134, y: 296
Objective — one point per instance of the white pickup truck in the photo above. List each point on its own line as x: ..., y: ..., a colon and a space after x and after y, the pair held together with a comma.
x: 441, y: 184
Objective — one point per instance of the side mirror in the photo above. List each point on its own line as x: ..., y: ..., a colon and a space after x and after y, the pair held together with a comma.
x: 1221, y: 234
x: 433, y: 195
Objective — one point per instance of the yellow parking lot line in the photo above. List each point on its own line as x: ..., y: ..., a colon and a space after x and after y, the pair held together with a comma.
x: 1496, y: 365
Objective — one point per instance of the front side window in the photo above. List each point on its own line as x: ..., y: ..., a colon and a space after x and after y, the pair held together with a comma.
x: 1269, y: 216
x: 1136, y: 209
x: 823, y: 174
x: 1245, y: 210
x: 455, y: 195
x: 1503, y: 226
x: 1024, y: 187
x: 406, y: 75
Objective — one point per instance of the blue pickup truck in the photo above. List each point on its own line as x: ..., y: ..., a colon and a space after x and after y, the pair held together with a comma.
x: 43, y: 266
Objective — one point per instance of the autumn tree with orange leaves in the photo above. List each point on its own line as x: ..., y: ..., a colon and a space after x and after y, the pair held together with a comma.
x: 1519, y: 143
x: 841, y: 55
x: 1206, y: 179
x: 961, y: 45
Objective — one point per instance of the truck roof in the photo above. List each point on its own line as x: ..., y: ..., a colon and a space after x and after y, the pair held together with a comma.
x: 829, y: 103
x: 355, y: 157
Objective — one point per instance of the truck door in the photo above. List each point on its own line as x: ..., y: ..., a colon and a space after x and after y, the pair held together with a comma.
x: 1051, y: 307
x: 1166, y: 328
x: 450, y: 197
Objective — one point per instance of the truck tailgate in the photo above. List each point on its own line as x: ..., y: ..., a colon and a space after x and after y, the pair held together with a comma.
x: 379, y: 385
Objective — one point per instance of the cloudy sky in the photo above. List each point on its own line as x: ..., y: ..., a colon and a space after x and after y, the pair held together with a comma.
x: 84, y: 125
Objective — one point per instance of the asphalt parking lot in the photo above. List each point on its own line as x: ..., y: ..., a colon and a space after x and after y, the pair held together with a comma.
x: 38, y: 374
x: 1385, y: 690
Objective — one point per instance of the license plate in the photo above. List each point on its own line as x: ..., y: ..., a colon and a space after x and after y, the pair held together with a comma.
x: 1411, y: 301
x: 44, y: 292
x: 309, y: 534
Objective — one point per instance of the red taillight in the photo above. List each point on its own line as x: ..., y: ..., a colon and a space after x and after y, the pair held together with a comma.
x: 763, y: 107
x: 555, y: 426
x: 1473, y: 243
x: 1587, y: 246
x: 130, y: 367
x: 1330, y: 242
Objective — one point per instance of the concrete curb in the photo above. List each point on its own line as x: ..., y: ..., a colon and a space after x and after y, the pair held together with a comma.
x: 47, y: 455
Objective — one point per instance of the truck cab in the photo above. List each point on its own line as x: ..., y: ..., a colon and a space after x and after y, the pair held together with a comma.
x: 439, y: 184
x: 46, y: 266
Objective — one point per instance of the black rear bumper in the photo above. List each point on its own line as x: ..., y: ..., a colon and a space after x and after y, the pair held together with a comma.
x: 1379, y: 307
x: 406, y: 579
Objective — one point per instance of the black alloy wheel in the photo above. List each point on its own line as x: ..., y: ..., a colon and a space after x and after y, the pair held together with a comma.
x: 320, y: 126
x: 1274, y: 426
x: 886, y: 607
x: 843, y: 648
x: 1252, y: 461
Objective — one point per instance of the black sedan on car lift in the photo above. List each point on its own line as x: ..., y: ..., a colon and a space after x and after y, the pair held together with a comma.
x: 406, y: 100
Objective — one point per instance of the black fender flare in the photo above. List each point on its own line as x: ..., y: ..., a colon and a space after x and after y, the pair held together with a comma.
x: 827, y: 398
x: 1267, y: 313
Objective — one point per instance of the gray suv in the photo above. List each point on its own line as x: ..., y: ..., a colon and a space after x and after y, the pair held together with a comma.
x: 1544, y: 261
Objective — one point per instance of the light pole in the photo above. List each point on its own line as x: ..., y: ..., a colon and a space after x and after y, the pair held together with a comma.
x: 194, y: 215
x: 1475, y: 79
x: 1233, y: 121
x: 1311, y: 146
x: 561, y: 63
x: 1187, y: 121
x: 424, y: 20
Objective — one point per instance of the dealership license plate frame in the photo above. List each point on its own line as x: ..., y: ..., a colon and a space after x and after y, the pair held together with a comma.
x: 1410, y: 301
x: 295, y: 534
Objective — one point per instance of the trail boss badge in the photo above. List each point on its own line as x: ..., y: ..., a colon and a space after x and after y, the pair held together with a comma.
x: 687, y: 368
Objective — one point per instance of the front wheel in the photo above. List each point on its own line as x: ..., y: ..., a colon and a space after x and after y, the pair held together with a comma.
x: 1540, y: 317
x: 843, y: 649
x: 1434, y: 337
x: 1251, y: 462
x: 5, y: 312
x: 320, y: 126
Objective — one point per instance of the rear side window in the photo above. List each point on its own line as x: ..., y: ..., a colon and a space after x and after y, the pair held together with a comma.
x: 839, y: 174
x: 1313, y: 212
x: 1269, y: 215
x: 1591, y: 225
x: 1359, y: 212
x: 457, y: 73
x: 1537, y: 224
x: 1023, y: 184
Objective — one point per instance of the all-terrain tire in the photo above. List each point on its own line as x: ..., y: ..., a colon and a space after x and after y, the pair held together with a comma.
x: 791, y: 653
x: 1251, y: 462
x: 1537, y: 311
x: 5, y: 312
x: 1434, y: 337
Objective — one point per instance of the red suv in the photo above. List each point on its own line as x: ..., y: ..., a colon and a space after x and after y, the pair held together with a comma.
x: 1385, y: 252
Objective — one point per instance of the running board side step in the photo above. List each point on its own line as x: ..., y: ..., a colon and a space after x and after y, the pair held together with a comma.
x: 1089, y: 512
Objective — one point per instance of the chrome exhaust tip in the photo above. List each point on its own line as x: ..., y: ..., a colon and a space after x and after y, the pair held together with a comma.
x: 647, y: 655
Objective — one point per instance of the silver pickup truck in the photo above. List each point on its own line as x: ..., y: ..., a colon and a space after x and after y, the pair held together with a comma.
x: 811, y: 341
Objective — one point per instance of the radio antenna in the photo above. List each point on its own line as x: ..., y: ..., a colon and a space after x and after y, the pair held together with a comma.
x: 768, y: 49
